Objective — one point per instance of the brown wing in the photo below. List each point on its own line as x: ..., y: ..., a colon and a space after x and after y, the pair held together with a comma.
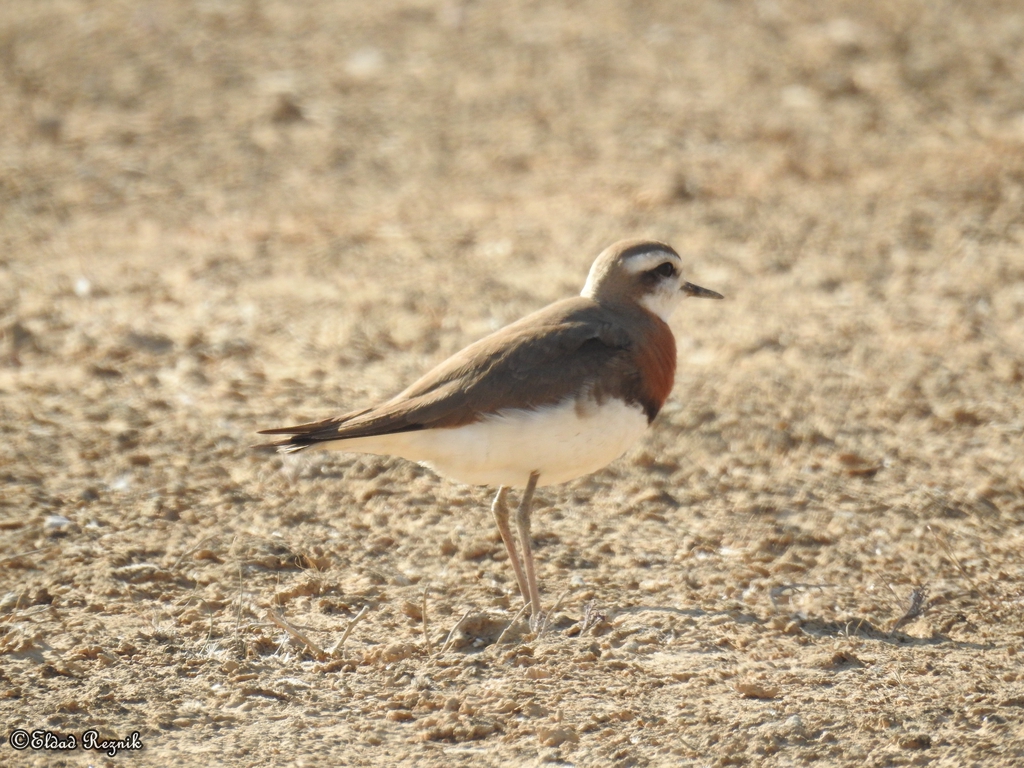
x: 571, y: 346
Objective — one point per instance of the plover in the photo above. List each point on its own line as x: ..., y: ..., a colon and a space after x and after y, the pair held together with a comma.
x: 552, y: 397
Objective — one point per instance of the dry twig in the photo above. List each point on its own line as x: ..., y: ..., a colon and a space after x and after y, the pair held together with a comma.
x: 590, y: 618
x: 339, y: 646
x: 505, y: 631
x: 293, y: 631
x: 547, y: 617
x: 451, y: 634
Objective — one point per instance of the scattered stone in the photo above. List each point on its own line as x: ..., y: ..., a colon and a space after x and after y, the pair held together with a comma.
x: 286, y: 110
x: 752, y: 689
x: 916, y: 741
x: 396, y: 652
x: 556, y: 736
x: 412, y: 609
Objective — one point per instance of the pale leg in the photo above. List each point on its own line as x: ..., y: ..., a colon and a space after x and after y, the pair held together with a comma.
x: 500, y: 512
x: 523, y: 526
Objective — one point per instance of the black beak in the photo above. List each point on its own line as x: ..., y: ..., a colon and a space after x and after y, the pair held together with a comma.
x: 699, y: 293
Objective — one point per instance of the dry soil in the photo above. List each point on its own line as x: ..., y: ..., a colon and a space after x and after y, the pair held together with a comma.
x: 220, y: 216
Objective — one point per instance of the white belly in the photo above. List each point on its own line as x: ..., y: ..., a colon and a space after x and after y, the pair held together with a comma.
x: 561, y: 442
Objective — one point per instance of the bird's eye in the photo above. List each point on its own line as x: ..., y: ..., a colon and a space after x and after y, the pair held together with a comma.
x: 664, y: 270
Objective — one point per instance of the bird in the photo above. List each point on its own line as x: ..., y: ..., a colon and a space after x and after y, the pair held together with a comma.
x: 552, y: 397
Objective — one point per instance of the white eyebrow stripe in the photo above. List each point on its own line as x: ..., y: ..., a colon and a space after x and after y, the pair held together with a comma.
x: 642, y: 262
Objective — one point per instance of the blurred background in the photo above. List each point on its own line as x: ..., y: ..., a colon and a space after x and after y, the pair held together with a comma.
x: 219, y: 216
x: 246, y: 196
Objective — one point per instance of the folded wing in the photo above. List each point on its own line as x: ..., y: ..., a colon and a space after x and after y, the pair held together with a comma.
x: 568, y: 348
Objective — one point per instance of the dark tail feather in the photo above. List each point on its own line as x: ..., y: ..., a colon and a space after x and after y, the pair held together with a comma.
x: 283, y: 446
x: 299, y: 429
x: 301, y: 436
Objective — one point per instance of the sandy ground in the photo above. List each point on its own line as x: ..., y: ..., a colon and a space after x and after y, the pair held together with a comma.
x: 222, y: 216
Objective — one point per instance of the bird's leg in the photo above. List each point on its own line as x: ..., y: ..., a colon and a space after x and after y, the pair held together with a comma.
x: 500, y: 512
x: 523, y: 526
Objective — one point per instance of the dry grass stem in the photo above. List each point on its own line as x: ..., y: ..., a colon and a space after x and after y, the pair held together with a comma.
x: 451, y: 634
x: 294, y: 632
x: 505, y: 631
x: 195, y: 547
x: 25, y: 554
x: 339, y: 646
x: 554, y: 609
x: 425, y: 625
x: 590, y: 617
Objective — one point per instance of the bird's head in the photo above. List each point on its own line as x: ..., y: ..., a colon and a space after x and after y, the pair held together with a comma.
x: 645, y: 272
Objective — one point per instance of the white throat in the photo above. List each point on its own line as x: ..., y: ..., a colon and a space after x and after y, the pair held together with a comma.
x: 663, y: 300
